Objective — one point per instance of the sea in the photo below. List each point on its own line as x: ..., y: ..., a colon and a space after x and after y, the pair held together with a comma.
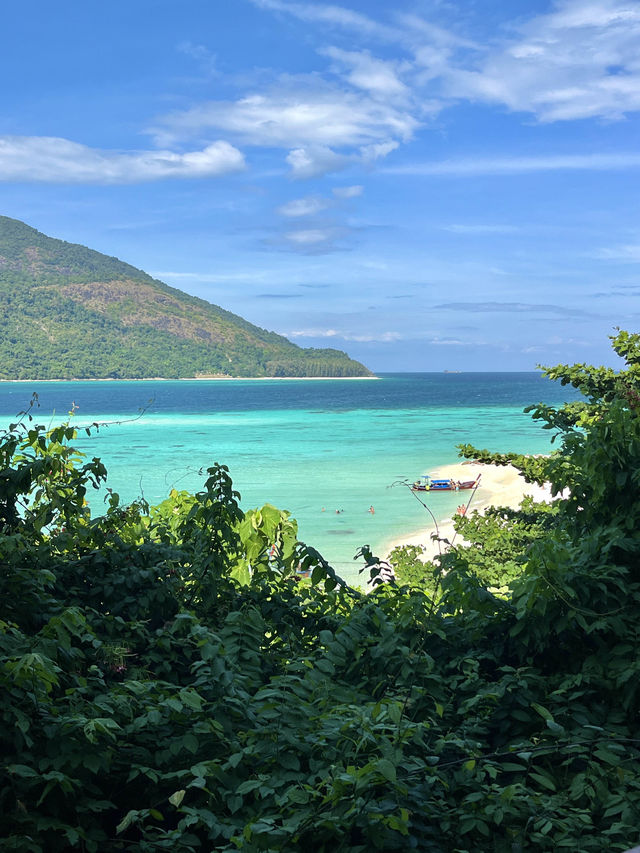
x: 325, y: 450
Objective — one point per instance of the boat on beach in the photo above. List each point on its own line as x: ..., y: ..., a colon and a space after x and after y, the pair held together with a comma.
x: 427, y: 483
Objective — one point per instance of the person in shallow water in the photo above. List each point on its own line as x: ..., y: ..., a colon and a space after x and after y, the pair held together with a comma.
x: 371, y: 510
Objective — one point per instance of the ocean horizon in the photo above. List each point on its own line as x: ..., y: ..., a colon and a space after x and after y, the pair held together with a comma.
x: 325, y: 451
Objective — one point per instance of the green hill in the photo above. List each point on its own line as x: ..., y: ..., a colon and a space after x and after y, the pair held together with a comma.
x: 69, y: 312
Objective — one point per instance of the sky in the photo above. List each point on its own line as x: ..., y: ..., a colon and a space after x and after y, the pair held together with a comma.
x: 424, y: 184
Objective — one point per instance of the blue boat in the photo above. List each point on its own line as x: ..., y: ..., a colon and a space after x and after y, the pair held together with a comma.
x: 443, y: 484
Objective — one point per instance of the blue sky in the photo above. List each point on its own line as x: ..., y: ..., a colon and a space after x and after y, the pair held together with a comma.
x: 426, y: 185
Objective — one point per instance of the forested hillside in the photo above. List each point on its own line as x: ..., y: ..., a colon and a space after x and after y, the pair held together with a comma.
x: 67, y: 312
x: 168, y: 681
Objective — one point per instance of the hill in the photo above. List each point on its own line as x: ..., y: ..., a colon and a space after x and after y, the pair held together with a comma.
x: 69, y: 312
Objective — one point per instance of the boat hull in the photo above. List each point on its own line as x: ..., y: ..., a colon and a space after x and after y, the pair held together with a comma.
x: 450, y: 486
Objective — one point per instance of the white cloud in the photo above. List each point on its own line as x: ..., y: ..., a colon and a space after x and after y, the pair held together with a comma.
x: 594, y: 14
x: 313, y: 161
x: 580, y: 61
x: 434, y: 49
x: 314, y: 333
x: 303, y: 206
x: 379, y: 337
x: 316, y: 160
x: 48, y: 159
x: 310, y: 236
x: 324, y: 124
x: 348, y: 192
x: 376, y: 76
x: 332, y: 15
x: 311, y: 205
x: 377, y: 151
x: 451, y: 342
x: 244, y: 276
x: 298, y: 114
x: 519, y: 165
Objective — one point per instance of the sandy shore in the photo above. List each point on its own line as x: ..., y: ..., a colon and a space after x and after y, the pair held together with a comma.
x: 499, y: 486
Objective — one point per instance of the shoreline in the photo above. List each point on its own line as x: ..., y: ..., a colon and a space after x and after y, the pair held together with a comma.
x: 200, y: 379
x: 499, y: 486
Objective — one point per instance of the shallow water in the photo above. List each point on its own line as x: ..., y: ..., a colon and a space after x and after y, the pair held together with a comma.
x: 311, y: 447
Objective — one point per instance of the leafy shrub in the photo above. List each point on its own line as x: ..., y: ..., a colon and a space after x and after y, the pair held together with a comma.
x: 170, y: 682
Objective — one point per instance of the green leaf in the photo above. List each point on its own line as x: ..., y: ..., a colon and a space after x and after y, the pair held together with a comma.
x: 545, y: 780
x: 177, y: 797
x: 234, y: 802
x: 544, y: 712
x: 298, y: 795
x: 394, y: 710
x: 607, y: 756
x: 191, y: 699
x: 387, y: 769
x: 22, y: 770
x: 317, y: 574
x: 325, y: 666
x: 126, y: 821
x: 191, y: 743
x: 289, y: 761
x: 248, y: 785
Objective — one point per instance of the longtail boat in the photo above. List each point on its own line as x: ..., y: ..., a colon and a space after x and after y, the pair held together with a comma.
x: 443, y: 484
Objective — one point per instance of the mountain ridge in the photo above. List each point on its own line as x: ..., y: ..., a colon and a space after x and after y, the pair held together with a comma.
x: 70, y: 312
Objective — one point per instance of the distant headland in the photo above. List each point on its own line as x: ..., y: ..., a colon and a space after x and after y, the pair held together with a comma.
x: 69, y: 312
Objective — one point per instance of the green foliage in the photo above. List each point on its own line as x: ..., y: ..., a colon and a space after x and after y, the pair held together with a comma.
x: 67, y: 312
x: 498, y: 541
x: 411, y: 569
x: 169, y: 682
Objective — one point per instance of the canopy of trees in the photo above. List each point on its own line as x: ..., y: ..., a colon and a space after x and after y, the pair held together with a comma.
x: 170, y: 682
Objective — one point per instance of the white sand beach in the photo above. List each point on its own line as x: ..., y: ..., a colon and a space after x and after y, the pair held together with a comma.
x: 217, y: 377
x: 499, y: 486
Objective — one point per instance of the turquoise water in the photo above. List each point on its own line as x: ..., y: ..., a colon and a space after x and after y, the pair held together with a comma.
x: 301, y: 445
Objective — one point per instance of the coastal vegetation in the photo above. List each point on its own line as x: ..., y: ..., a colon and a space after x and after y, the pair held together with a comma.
x: 68, y: 312
x: 170, y: 681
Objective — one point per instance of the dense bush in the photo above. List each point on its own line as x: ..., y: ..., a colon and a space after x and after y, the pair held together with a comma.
x: 169, y: 682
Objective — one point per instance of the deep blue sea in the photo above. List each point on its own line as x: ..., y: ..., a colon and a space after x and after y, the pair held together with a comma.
x: 309, y: 446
